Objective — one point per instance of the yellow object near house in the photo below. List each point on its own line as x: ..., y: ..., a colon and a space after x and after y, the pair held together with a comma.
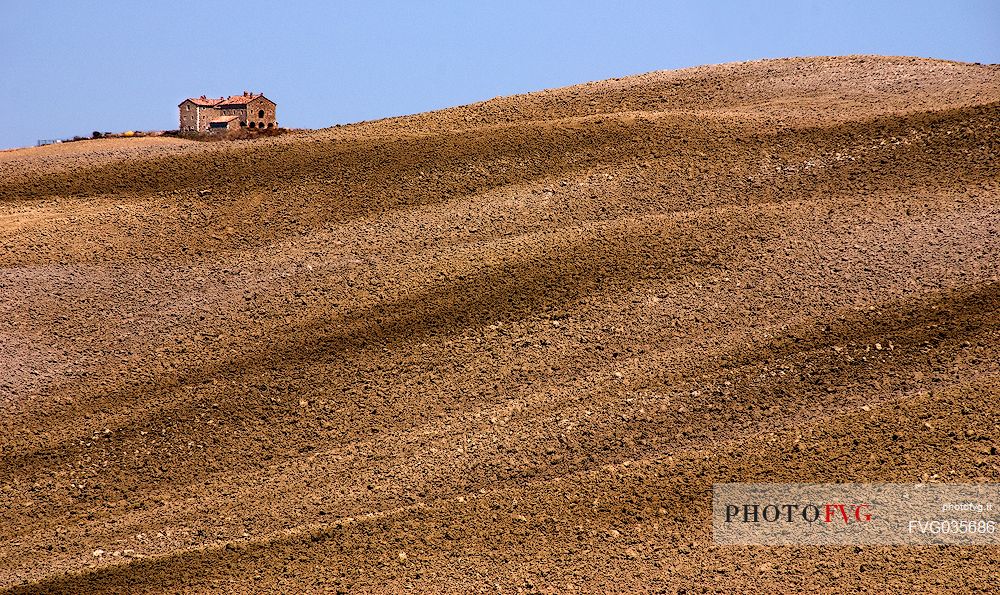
x: 129, y: 133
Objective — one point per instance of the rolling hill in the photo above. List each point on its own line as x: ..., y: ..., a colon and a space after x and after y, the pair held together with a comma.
x: 505, y: 346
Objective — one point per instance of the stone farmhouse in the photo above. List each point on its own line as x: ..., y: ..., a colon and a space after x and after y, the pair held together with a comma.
x: 250, y: 110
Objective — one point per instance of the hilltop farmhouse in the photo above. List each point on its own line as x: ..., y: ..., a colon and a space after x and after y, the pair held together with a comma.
x: 251, y: 110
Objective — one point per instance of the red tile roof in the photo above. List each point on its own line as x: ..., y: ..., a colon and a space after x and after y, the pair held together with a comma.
x: 239, y: 99
x: 203, y: 101
x: 236, y: 100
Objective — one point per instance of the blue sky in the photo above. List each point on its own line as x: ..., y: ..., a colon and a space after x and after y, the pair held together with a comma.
x: 71, y: 67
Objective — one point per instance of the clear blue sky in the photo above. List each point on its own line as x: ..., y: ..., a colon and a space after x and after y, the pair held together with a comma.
x: 70, y: 67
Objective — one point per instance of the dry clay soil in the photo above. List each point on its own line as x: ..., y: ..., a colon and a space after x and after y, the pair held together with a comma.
x: 509, y: 346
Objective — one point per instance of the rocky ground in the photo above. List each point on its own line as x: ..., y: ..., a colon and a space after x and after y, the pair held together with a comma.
x: 507, y: 346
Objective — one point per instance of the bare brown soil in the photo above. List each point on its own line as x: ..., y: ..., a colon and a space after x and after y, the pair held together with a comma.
x: 509, y: 346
